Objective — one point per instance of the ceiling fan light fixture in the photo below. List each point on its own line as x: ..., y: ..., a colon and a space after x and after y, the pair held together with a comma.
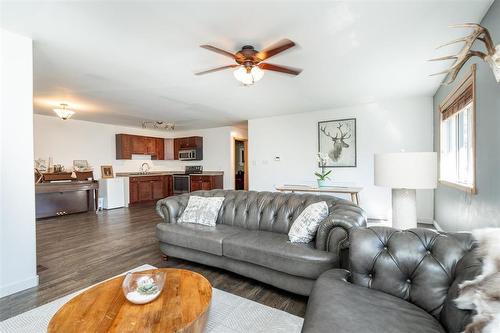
x: 250, y: 65
x: 257, y: 73
x: 63, y: 112
x: 248, y: 75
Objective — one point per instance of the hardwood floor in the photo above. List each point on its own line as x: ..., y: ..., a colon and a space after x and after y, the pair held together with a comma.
x: 77, y: 251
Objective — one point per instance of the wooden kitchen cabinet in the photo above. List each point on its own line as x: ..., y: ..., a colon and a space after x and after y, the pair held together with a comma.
x: 138, y: 145
x: 160, y: 148
x: 148, y: 188
x: 192, y: 142
x: 133, y: 191
x: 206, y: 182
x: 127, y: 144
x: 150, y: 144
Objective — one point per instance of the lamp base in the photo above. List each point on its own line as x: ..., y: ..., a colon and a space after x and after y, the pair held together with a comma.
x: 404, y: 208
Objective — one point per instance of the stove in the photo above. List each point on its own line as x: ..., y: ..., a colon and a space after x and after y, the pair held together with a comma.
x: 182, y: 181
x: 193, y: 169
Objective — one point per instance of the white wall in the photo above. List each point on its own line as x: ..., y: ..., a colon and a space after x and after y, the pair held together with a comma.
x: 70, y: 140
x: 387, y: 126
x: 17, y: 190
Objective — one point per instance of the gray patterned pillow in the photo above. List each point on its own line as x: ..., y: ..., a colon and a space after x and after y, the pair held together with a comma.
x: 306, y: 224
x: 201, y: 210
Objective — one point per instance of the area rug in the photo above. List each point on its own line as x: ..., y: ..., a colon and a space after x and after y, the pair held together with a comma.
x: 228, y: 314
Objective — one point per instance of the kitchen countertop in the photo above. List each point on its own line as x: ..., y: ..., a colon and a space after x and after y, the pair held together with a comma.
x: 166, y: 173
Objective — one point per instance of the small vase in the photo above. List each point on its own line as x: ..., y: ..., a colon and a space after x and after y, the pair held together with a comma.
x: 321, y: 182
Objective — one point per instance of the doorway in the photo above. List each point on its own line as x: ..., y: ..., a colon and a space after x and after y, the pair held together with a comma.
x: 240, y: 164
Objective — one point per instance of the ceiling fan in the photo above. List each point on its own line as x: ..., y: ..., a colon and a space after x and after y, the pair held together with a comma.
x: 249, y: 61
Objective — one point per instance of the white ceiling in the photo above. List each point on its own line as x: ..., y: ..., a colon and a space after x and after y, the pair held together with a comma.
x: 124, y: 62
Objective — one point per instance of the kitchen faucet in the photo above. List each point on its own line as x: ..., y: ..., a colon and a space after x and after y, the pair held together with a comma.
x: 145, y: 167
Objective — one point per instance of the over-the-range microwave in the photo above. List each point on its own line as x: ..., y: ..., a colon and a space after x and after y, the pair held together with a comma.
x: 187, y: 154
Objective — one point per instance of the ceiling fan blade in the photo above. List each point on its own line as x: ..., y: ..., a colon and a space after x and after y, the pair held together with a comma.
x: 217, y: 50
x: 216, y: 69
x: 281, y: 69
x: 274, y: 49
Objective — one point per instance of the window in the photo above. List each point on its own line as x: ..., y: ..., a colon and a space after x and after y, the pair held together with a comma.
x: 457, y: 146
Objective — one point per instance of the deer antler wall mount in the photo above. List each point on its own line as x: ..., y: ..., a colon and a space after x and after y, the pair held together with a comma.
x: 492, y: 55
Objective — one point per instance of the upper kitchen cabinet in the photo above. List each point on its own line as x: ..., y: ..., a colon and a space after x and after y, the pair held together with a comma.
x: 189, y: 148
x: 127, y: 145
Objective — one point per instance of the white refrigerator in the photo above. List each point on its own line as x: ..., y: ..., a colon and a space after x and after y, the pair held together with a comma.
x: 112, y: 191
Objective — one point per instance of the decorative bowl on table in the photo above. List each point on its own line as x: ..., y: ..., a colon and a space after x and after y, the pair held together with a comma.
x: 142, y: 287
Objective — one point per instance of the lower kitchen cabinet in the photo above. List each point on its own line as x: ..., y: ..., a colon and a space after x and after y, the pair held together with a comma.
x: 206, y: 182
x: 149, y: 188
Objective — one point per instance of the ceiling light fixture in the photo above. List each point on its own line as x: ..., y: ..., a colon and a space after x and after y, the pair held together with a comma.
x: 63, y: 112
x: 158, y: 125
x: 248, y: 75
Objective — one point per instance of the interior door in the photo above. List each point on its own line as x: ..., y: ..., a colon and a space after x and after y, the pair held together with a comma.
x: 245, y: 166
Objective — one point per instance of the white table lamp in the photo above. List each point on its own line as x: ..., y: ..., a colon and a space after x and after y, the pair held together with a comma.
x: 405, y: 173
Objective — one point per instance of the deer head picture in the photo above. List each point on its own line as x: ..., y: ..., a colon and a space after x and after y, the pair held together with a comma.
x: 337, y: 140
x: 491, y: 56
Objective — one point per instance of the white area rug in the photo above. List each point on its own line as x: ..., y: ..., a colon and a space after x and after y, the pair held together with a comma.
x: 228, y: 314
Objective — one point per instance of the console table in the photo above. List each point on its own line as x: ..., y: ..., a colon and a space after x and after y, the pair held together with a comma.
x: 56, y: 199
x: 353, y: 191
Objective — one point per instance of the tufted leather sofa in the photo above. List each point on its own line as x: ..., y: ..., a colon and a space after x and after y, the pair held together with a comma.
x: 251, y: 236
x: 399, y: 281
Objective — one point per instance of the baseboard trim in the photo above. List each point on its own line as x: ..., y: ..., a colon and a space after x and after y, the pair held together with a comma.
x: 437, y: 226
x: 17, y: 286
x: 422, y: 220
x: 425, y: 220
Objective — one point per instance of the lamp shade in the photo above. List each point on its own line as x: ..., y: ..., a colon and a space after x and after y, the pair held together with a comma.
x: 406, y: 170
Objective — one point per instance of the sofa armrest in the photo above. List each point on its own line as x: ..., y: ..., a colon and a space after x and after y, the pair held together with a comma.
x: 467, y: 269
x: 318, y: 313
x: 333, y: 232
x: 171, y: 208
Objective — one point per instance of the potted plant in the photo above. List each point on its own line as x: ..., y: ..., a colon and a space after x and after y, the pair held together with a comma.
x: 323, y: 176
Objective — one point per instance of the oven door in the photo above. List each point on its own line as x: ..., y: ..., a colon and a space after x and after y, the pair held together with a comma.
x: 181, y: 184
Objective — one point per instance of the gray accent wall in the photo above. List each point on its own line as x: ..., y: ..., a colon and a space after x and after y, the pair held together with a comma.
x: 456, y: 210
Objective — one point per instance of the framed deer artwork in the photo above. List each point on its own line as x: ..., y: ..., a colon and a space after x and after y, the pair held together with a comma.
x: 337, y: 139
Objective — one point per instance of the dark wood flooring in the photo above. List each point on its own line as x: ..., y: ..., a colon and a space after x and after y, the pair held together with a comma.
x: 77, y: 251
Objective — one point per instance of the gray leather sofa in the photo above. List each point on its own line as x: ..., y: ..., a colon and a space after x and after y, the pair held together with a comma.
x: 251, y: 236
x: 399, y: 282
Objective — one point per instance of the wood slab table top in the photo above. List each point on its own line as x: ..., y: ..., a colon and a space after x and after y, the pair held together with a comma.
x: 326, y: 189
x: 352, y: 190
x: 181, y: 307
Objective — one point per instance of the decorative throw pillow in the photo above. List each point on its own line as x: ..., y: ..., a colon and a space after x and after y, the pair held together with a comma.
x: 201, y: 210
x: 306, y: 224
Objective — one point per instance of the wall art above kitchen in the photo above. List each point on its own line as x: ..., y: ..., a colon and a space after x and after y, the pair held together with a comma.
x: 337, y: 139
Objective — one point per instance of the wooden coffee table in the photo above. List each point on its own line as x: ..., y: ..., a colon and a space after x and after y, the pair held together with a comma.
x: 181, y: 307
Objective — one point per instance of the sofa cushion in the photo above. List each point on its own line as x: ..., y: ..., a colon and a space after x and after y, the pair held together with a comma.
x: 305, y: 226
x: 201, y: 210
x: 339, y: 306
x: 275, y: 251
x: 196, y: 236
